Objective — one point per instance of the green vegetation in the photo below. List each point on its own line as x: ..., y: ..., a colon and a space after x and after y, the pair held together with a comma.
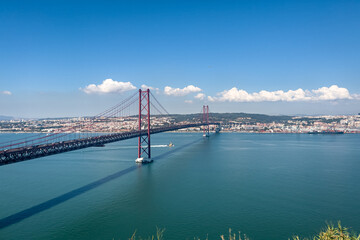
x: 333, y: 233
x: 329, y: 233
x: 159, y: 235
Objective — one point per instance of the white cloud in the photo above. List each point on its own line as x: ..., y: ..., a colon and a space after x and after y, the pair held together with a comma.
x: 145, y: 87
x: 181, y: 91
x: 189, y: 101
x: 200, y: 96
x: 325, y: 93
x: 109, y: 86
x: 5, y: 92
x: 332, y: 93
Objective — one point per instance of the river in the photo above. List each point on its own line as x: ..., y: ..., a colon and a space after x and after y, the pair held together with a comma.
x: 268, y: 186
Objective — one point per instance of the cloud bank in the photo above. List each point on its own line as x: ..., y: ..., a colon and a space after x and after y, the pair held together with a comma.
x: 181, y: 91
x: 109, y: 86
x: 325, y: 93
x: 5, y: 92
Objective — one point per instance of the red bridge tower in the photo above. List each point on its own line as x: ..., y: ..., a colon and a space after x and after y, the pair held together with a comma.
x: 144, y: 127
x: 206, y: 128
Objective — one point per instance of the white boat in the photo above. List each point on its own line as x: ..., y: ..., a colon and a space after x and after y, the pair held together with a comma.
x: 171, y: 144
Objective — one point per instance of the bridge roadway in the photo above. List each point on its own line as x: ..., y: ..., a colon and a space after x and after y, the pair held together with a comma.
x: 30, y: 152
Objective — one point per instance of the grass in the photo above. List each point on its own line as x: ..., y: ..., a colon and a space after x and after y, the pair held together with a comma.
x: 159, y: 235
x: 234, y: 236
x: 333, y: 233
x: 329, y: 233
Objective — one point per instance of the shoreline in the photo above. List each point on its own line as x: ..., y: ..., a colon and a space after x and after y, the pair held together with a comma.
x: 20, y: 132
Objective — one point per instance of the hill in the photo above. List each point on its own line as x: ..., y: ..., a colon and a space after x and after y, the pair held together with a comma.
x: 228, y: 117
x: 5, y: 118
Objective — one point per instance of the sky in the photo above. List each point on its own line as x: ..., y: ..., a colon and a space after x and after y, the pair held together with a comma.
x: 78, y: 58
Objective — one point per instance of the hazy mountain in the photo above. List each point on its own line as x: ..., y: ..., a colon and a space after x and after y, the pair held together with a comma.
x: 5, y: 118
x: 242, y: 117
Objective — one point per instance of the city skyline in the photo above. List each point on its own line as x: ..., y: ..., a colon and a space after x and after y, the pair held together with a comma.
x: 281, y: 58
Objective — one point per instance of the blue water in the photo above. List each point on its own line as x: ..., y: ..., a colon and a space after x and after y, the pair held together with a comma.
x: 269, y: 186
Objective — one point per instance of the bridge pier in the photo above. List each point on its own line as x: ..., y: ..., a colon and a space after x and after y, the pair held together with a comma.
x: 144, y: 146
x: 206, y: 128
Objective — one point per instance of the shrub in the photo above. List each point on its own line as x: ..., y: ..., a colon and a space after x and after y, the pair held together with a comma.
x: 333, y: 233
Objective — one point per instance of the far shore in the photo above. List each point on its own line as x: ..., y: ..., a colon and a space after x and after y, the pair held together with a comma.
x: 222, y: 131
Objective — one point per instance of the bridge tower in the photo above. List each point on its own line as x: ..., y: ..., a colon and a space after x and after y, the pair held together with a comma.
x: 144, y: 126
x: 206, y: 128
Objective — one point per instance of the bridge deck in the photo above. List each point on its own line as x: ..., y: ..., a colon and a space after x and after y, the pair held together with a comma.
x: 36, y: 151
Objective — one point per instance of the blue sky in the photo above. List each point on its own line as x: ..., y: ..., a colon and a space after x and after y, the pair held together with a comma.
x: 50, y: 51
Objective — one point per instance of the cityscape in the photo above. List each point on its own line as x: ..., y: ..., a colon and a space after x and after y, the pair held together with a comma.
x: 251, y: 123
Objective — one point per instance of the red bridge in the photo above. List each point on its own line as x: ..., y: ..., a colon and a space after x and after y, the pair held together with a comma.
x: 65, y: 139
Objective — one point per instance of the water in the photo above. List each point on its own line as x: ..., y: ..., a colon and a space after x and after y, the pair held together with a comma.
x: 269, y: 186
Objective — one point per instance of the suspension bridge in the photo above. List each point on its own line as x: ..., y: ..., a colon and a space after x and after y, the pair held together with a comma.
x: 66, y: 139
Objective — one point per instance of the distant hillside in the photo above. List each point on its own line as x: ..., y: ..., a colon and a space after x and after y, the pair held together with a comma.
x: 6, y: 118
x: 217, y: 117
x: 239, y: 117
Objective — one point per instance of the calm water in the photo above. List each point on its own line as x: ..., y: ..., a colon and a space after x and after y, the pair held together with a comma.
x: 269, y: 186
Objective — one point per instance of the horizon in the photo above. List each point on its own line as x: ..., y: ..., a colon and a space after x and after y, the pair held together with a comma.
x: 247, y: 113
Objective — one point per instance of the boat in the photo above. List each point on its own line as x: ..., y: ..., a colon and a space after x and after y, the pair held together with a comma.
x: 171, y: 144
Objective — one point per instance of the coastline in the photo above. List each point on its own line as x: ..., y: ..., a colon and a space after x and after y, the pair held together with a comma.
x: 223, y: 131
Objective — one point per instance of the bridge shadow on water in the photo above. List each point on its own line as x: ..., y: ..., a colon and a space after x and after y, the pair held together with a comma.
x: 22, y: 215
